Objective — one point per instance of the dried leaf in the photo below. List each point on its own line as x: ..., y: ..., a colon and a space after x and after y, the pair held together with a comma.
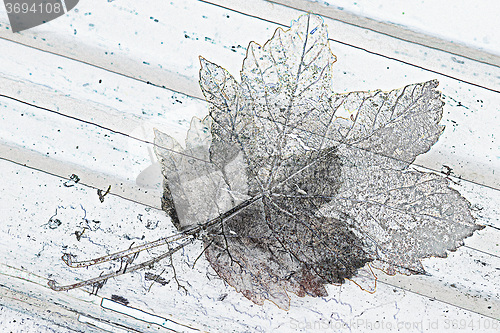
x: 308, y: 186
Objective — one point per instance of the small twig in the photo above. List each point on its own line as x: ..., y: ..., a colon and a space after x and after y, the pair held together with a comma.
x: 101, y: 195
x: 68, y: 258
x: 204, y: 249
x: 73, y: 179
x: 156, y: 279
x: 128, y: 259
x: 98, y: 285
x: 227, y: 244
x: 79, y: 234
x: 53, y: 284
x: 179, y: 286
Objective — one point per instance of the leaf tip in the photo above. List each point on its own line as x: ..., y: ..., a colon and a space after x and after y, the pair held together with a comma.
x: 432, y: 83
x: 156, y: 132
x: 205, y: 64
x: 203, y: 61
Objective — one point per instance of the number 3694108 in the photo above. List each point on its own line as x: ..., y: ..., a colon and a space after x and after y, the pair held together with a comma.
x: 42, y: 8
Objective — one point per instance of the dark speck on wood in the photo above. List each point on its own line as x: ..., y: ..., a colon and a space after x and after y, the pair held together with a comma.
x: 456, y: 60
x: 119, y: 299
x: 156, y: 278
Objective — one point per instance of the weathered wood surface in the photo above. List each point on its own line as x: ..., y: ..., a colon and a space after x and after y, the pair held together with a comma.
x: 447, y: 25
x: 84, y: 107
x: 466, y: 278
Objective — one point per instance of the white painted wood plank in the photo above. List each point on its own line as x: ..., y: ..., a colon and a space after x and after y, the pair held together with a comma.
x: 447, y: 25
x: 11, y: 320
x: 146, y: 192
x: 30, y: 198
x: 466, y: 278
x: 94, y: 95
x: 453, y: 20
x: 29, y: 294
x: 487, y: 240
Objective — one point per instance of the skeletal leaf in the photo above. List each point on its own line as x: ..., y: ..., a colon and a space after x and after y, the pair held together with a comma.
x: 308, y: 186
x: 402, y: 215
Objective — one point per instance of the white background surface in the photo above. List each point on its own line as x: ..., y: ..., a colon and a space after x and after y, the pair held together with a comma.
x: 121, y: 44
